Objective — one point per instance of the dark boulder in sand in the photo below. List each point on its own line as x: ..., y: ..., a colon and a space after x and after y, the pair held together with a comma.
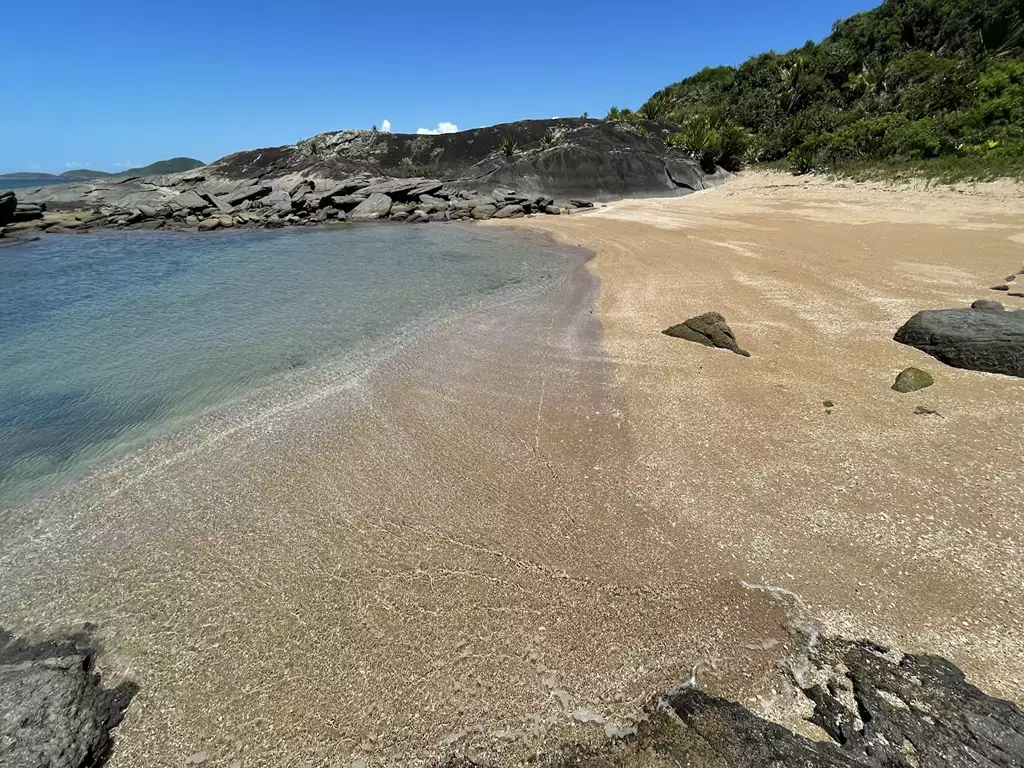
x: 988, y: 304
x: 709, y: 329
x: 54, y: 710
x: 974, y: 339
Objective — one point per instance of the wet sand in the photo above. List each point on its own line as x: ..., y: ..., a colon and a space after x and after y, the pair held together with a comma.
x: 901, y: 527
x: 441, y: 551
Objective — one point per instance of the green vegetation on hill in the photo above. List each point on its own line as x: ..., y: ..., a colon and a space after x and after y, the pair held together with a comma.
x: 174, y: 165
x: 928, y: 85
x: 84, y: 173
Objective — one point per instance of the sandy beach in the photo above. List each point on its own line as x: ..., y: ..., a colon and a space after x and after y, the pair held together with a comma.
x: 902, y: 527
x: 513, y: 532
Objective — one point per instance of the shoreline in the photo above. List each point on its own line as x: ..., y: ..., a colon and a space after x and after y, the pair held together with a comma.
x: 545, y: 512
x: 463, y: 527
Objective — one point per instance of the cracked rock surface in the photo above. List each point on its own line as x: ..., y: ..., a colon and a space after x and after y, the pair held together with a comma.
x: 54, y: 710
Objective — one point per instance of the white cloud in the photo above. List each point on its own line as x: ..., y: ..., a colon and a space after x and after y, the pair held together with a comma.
x: 441, y: 128
x: 35, y: 167
x: 125, y: 164
x: 386, y: 126
x: 75, y: 164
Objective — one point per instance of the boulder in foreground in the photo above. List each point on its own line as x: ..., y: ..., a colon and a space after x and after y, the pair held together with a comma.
x: 54, y: 711
x: 974, y: 339
x: 709, y: 329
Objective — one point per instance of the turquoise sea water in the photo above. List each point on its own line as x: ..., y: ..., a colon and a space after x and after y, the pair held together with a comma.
x: 7, y: 185
x: 105, y: 339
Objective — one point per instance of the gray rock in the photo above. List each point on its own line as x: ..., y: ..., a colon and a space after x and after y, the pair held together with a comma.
x: 343, y: 202
x: 346, y: 187
x: 1000, y: 287
x: 432, y: 204
x: 147, y: 211
x: 429, y: 187
x: 152, y: 224
x: 247, y: 193
x: 552, y: 210
x: 301, y: 189
x: 189, y: 200
x: 208, y: 225
x: 974, y: 339
x: 911, y: 380
x: 418, y: 217
x: 709, y: 329
x: 510, y: 212
x: 54, y: 711
x: 581, y: 204
x: 484, y: 212
x: 376, y: 206
x: 988, y: 304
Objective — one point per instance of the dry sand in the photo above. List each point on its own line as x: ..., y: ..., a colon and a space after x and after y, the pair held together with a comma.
x: 901, y: 527
x: 535, y: 515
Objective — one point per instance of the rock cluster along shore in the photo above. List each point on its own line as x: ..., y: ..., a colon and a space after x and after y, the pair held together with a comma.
x: 254, y: 204
x: 500, y: 172
x: 875, y: 708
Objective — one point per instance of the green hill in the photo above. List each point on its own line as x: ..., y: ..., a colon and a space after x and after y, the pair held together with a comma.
x: 922, y: 83
x: 84, y: 173
x: 174, y: 165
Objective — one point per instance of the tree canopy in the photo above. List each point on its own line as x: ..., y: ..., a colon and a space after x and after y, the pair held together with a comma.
x: 912, y: 79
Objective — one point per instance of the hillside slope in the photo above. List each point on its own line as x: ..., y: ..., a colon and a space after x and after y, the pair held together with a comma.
x: 910, y: 80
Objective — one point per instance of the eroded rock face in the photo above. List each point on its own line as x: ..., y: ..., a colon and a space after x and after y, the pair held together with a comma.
x: 974, y: 339
x: 880, y: 710
x: 709, y: 329
x: 54, y: 711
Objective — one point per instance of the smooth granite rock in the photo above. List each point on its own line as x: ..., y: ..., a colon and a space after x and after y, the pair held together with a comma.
x: 376, y: 206
x: 975, y: 339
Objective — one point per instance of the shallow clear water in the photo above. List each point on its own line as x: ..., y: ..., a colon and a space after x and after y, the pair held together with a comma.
x: 105, y: 339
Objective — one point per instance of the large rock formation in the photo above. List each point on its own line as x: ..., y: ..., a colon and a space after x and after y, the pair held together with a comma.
x: 537, y: 165
x: 54, y: 712
x: 978, y: 339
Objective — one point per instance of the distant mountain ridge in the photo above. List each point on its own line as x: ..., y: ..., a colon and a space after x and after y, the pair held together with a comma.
x: 161, y: 167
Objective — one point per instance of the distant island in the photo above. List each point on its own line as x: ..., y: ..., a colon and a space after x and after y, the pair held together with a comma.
x: 161, y: 167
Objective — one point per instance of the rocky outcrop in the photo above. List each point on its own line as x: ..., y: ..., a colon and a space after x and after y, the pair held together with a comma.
x: 875, y: 709
x: 559, y: 167
x: 709, y: 329
x: 8, y: 205
x: 54, y: 710
x: 978, y: 339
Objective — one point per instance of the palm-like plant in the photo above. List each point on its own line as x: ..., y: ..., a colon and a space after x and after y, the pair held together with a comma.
x: 658, y: 107
x: 509, y: 146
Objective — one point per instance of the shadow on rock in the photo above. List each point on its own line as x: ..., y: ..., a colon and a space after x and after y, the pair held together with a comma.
x: 54, y: 710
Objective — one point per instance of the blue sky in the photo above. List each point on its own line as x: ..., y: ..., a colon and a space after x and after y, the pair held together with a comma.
x: 114, y: 83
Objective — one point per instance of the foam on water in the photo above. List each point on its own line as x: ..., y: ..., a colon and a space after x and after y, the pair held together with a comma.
x: 107, y: 341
